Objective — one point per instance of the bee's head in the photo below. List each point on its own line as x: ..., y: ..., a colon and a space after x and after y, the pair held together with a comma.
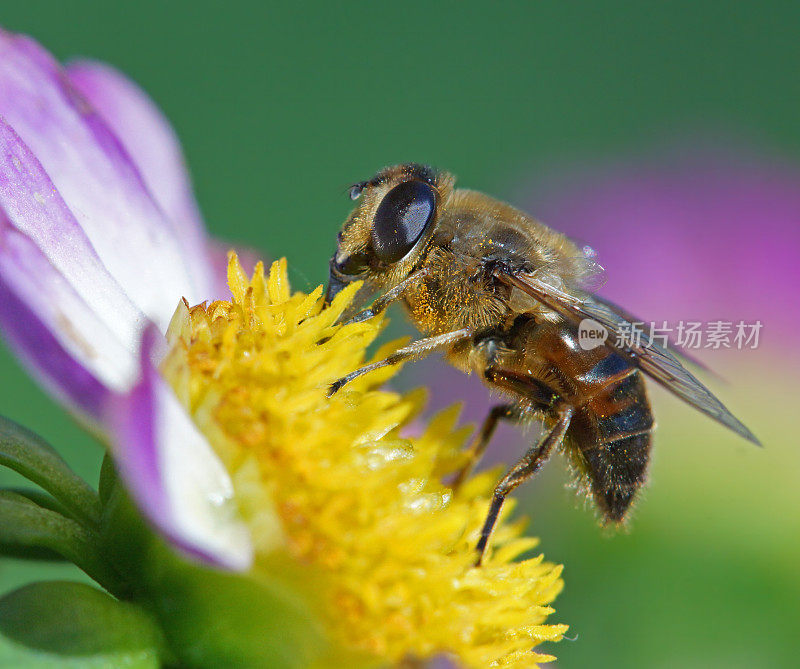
x: 387, y: 233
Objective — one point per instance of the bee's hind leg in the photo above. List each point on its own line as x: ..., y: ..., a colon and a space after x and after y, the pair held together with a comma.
x: 529, y: 464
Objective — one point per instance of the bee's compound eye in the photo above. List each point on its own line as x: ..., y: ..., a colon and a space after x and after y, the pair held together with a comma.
x: 402, y: 217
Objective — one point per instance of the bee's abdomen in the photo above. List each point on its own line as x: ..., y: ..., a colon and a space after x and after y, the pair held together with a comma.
x: 612, y: 434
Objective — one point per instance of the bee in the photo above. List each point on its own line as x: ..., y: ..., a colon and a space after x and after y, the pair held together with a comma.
x: 503, y: 296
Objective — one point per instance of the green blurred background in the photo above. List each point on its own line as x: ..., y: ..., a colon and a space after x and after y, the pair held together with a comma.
x: 279, y: 108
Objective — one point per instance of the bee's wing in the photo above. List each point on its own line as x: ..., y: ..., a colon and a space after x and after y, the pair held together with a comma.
x: 653, y: 359
x: 681, y: 354
x: 594, y: 277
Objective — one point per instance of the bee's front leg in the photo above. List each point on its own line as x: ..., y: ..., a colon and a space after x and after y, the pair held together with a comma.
x: 380, y: 303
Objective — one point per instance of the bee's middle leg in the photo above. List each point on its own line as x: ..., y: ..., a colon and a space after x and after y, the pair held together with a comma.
x: 486, y: 354
x: 414, y: 351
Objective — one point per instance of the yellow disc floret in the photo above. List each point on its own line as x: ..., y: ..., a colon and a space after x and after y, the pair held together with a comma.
x: 339, y: 489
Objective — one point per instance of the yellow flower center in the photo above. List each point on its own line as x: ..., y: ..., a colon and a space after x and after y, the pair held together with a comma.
x: 342, y: 489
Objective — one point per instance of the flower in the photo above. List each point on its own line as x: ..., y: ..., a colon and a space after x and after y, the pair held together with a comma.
x: 99, y: 240
x: 344, y: 528
x: 337, y: 486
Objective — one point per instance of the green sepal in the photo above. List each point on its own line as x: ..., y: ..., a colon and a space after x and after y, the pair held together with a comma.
x: 108, y: 479
x: 74, y: 626
x: 27, y: 528
x: 246, y: 621
x: 40, y: 498
x: 43, y: 500
x: 211, y: 618
x: 29, y: 455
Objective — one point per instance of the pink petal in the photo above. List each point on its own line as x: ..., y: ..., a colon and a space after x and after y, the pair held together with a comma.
x: 54, y: 367
x: 152, y: 144
x: 172, y: 472
x: 96, y: 177
x: 64, y: 259
x: 61, y: 310
x: 28, y: 275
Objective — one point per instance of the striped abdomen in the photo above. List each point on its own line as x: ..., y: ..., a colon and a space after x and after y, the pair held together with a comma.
x: 610, y: 433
